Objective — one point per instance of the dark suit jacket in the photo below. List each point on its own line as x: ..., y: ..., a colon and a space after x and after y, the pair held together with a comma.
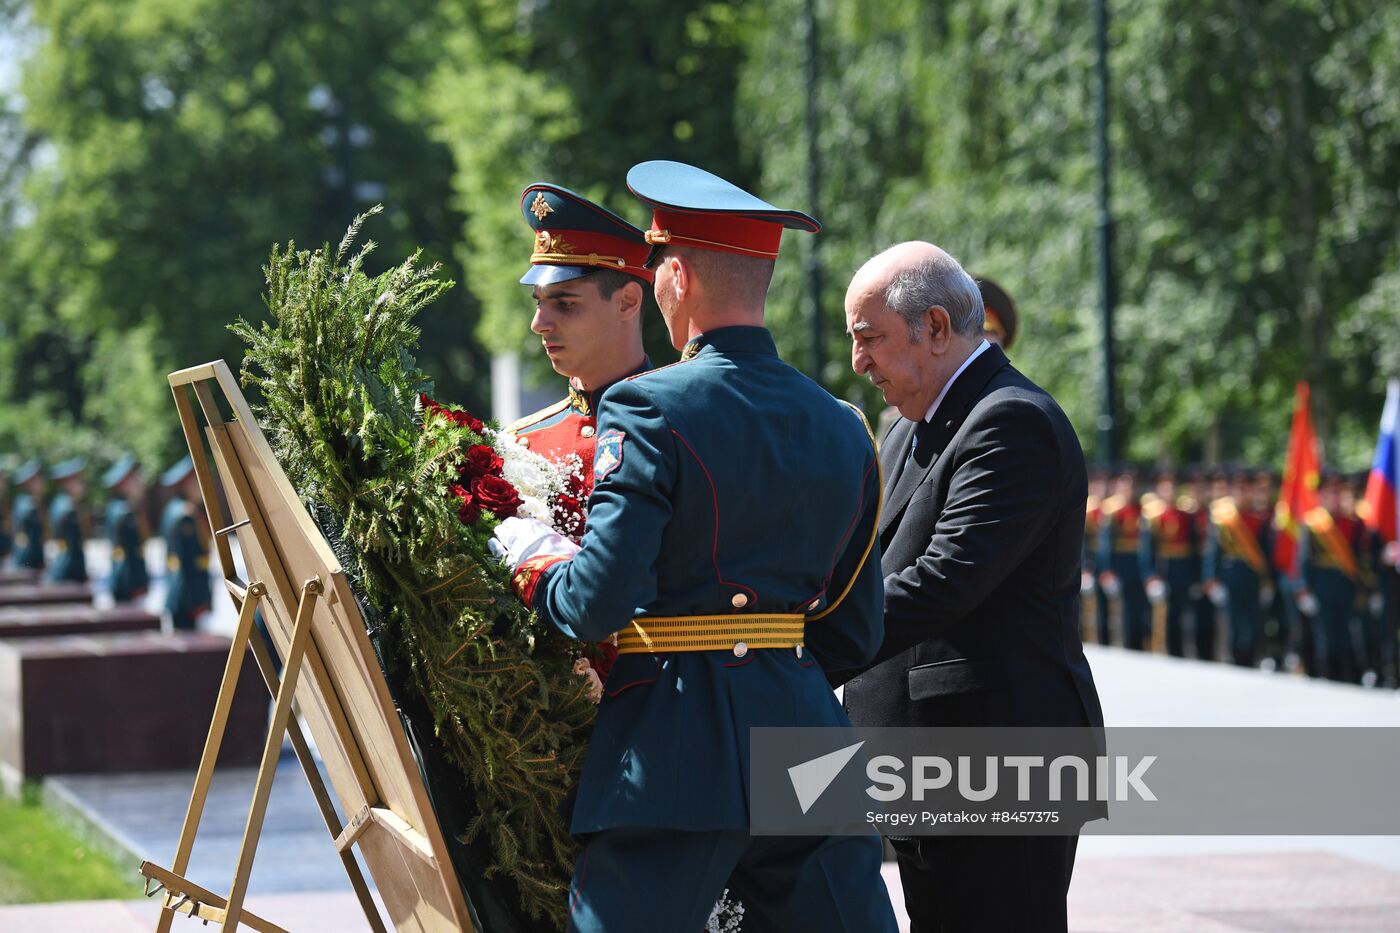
x: 981, y: 540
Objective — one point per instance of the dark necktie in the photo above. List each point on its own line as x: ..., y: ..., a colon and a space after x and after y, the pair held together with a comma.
x: 903, y: 462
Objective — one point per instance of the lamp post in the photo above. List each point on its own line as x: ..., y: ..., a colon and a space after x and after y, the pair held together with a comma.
x: 813, y: 261
x: 1108, y: 421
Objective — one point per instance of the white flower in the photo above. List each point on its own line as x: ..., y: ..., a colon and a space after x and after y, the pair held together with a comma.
x: 536, y: 478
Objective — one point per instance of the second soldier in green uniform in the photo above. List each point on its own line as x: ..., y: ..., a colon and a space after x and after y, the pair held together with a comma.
x: 126, y: 529
x: 187, y: 591
x: 68, y: 522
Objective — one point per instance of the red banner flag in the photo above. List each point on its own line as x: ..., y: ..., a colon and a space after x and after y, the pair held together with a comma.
x: 1298, y: 493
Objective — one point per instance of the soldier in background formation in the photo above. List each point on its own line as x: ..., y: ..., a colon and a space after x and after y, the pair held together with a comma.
x: 1180, y: 559
x: 1202, y: 488
x: 188, y: 594
x: 1333, y: 567
x: 1000, y: 321
x: 1238, y: 562
x: 1169, y: 550
x: 28, y: 516
x: 68, y: 522
x: 1388, y: 573
x: 1119, y: 561
x: 126, y: 530
x: 1089, y: 557
x: 7, y: 539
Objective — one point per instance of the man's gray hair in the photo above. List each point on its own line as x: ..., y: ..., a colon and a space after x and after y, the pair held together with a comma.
x: 938, y: 280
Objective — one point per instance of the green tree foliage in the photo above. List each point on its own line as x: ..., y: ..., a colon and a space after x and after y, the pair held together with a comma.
x: 1255, y: 161
x: 575, y: 94
x: 1256, y: 137
x: 964, y: 124
x: 1256, y: 167
x: 181, y: 138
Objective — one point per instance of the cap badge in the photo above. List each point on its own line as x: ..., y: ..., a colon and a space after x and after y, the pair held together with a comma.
x: 545, y: 242
x: 540, y: 207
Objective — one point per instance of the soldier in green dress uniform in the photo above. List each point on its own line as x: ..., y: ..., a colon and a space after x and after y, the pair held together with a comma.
x: 1331, y: 571
x: 7, y: 539
x: 1169, y: 551
x: 29, y: 516
x: 663, y: 793
x: 1238, y: 565
x: 187, y: 591
x: 68, y: 522
x: 126, y: 529
x: 1119, y: 563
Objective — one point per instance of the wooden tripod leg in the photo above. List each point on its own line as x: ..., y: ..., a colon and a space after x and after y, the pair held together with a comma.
x: 267, y: 770
x: 212, y: 742
x: 318, y: 790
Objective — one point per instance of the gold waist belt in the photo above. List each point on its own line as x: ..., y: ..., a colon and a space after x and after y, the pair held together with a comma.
x: 657, y: 634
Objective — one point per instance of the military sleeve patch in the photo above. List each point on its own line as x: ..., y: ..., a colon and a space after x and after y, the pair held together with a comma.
x: 607, y: 456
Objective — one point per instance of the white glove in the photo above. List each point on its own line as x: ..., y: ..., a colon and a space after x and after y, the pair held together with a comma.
x: 1217, y: 593
x: 524, y: 538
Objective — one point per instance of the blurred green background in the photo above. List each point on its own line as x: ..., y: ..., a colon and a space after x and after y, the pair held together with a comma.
x: 151, y: 152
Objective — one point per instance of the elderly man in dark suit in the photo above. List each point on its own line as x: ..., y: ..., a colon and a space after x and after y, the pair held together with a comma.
x: 981, y: 541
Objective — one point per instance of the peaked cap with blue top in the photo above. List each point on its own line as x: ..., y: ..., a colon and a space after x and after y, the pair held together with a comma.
x: 119, y: 471
x: 173, y: 476
x: 692, y: 207
x: 73, y: 466
x: 574, y: 237
x: 27, y: 471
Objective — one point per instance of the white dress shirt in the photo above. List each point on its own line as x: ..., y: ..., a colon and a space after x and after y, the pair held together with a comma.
x: 981, y: 348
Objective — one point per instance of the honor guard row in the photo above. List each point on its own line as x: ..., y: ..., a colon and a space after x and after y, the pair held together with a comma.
x: 63, y: 519
x: 1196, y: 559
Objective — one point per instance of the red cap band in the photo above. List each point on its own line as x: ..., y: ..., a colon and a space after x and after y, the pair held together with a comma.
x: 728, y: 233
x: 588, y: 248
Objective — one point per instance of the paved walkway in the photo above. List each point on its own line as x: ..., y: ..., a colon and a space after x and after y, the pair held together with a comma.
x: 1213, y: 894
x: 142, y: 815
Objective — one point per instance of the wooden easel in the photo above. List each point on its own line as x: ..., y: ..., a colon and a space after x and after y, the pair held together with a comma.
x: 328, y: 669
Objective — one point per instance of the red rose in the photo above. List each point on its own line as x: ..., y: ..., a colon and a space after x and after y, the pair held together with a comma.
x: 567, y: 507
x: 577, y: 486
x: 458, y: 491
x: 568, y: 514
x: 495, y: 495
x: 483, y: 461
x: 468, y: 513
x: 465, y: 419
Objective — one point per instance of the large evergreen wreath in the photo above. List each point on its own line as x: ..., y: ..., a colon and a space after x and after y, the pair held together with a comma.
x: 342, y: 403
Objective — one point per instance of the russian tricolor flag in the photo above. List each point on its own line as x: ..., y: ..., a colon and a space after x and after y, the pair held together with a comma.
x: 1382, y: 509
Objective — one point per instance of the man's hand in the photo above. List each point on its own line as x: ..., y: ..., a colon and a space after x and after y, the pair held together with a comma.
x: 523, y: 538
